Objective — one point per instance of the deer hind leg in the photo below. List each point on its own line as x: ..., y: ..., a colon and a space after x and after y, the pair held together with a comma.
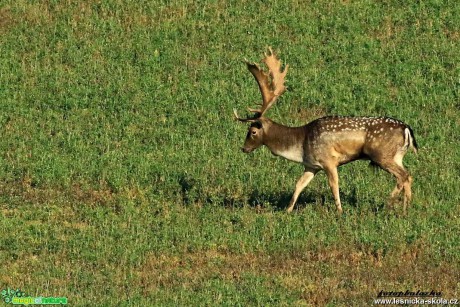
x: 407, y: 193
x: 408, y: 179
x: 407, y: 182
x: 403, y: 179
x: 333, y: 179
x: 300, y: 185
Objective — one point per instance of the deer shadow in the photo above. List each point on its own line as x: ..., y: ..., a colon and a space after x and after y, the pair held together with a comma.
x: 279, y: 201
x: 276, y: 200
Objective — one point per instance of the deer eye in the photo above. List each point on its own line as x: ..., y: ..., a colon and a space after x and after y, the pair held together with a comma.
x: 254, y: 132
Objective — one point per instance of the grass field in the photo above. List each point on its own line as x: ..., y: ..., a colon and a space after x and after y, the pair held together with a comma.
x: 121, y: 178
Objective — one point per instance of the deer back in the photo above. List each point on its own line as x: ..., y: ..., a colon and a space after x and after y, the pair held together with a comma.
x: 341, y: 139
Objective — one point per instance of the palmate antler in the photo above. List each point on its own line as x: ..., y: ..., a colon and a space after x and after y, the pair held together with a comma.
x: 271, y: 84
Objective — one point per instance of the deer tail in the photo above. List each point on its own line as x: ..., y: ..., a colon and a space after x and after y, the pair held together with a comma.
x: 409, y: 139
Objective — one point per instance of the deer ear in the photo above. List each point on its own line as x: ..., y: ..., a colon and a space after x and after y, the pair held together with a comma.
x: 257, y: 124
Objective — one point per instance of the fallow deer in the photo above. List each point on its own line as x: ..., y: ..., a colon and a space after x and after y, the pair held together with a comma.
x: 328, y: 142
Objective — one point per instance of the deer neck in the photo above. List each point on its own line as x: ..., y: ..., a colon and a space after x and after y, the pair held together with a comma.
x: 285, y: 141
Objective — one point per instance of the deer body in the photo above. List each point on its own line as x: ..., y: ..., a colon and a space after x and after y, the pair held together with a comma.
x: 328, y: 142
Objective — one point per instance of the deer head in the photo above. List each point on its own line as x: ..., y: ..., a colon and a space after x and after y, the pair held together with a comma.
x: 271, y: 85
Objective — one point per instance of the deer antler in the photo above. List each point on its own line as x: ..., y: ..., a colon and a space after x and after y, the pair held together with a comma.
x: 271, y: 84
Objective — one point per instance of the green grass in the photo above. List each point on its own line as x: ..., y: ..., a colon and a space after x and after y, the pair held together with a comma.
x: 121, y: 178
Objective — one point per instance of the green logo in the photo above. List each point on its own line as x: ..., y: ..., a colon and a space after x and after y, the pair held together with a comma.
x: 18, y: 297
x: 9, y: 294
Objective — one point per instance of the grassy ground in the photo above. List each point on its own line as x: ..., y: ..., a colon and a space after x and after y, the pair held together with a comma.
x: 121, y: 179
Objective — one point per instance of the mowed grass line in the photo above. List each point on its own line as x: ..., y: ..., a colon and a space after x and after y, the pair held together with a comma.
x: 121, y: 177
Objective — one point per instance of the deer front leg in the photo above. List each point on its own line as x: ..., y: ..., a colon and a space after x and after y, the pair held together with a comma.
x: 333, y: 178
x: 300, y: 185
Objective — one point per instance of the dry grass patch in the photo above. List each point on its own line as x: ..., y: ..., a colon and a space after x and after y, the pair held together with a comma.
x: 6, y: 19
x: 316, y: 277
